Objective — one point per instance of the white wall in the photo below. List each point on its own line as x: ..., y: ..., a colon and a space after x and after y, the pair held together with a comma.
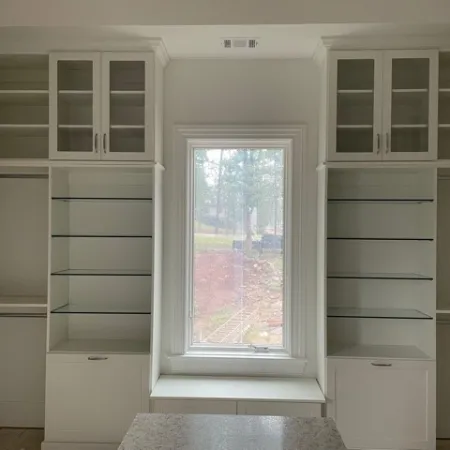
x: 217, y: 92
x: 213, y: 12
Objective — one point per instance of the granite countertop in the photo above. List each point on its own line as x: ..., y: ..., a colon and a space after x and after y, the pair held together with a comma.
x: 215, y: 432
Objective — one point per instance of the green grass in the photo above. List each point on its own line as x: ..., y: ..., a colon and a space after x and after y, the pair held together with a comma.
x: 206, y: 242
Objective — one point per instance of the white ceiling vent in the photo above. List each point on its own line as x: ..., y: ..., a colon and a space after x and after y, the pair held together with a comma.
x: 240, y: 42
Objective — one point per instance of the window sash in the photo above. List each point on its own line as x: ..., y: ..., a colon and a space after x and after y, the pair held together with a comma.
x: 214, y: 349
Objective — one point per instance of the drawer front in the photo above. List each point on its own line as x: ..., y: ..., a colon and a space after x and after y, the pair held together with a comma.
x: 182, y: 406
x: 94, y: 400
x: 288, y: 409
x: 383, y: 404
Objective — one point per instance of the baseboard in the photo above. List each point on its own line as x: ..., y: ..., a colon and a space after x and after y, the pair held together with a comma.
x: 77, y: 446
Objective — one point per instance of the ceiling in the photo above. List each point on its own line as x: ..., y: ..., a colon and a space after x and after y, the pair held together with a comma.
x: 275, y: 41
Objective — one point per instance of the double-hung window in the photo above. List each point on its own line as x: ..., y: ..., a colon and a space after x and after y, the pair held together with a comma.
x: 239, y: 263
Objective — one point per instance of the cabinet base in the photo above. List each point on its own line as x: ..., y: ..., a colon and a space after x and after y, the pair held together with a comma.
x: 77, y: 446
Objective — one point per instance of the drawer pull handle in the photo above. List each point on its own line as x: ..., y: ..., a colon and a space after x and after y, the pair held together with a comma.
x: 381, y: 364
x: 97, y: 358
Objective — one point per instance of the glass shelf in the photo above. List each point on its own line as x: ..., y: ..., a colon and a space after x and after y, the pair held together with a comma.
x: 102, y: 199
x: 379, y: 276
x: 379, y: 351
x: 381, y: 200
x: 83, y: 309
x: 102, y: 346
x: 103, y: 272
x: 71, y: 236
x: 376, y: 313
x: 379, y: 239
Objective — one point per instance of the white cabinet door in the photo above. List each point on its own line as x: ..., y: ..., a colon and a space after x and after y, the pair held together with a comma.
x: 127, y: 111
x: 74, y: 92
x: 287, y: 409
x: 383, y: 404
x: 91, y: 398
x: 355, y: 106
x: 410, y: 105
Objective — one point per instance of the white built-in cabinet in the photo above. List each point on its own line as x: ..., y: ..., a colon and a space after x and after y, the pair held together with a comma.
x: 103, y: 106
x: 94, y: 399
x: 382, y: 105
x: 383, y: 404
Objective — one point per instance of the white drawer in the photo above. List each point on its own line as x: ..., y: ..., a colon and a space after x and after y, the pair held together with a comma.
x: 181, y: 406
x: 289, y: 409
x: 94, y: 398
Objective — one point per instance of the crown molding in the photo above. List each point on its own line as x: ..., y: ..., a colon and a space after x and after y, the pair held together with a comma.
x: 160, y: 50
x: 388, y: 42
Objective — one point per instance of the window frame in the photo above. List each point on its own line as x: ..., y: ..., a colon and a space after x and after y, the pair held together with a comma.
x: 176, y: 358
x: 205, y: 349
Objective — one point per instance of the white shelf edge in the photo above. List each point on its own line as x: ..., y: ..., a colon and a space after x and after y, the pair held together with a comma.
x: 24, y: 91
x: 127, y: 92
x: 23, y: 125
x: 443, y: 311
x: 383, y: 164
x: 127, y: 127
x: 72, y: 92
x: 409, y: 126
x: 409, y: 90
x: 444, y: 125
x: 444, y: 90
x: 355, y: 91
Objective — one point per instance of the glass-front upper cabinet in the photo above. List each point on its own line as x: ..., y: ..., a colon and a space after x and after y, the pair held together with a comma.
x: 126, y: 90
x: 382, y: 105
x: 102, y: 106
x: 410, y: 105
x: 355, y: 106
x: 74, y: 106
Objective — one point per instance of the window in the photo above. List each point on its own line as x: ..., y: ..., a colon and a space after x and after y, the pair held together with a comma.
x: 238, y: 275
x: 235, y: 289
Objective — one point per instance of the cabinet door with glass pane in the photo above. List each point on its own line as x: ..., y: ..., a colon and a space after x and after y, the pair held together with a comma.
x: 410, y: 120
x: 355, y: 106
x: 75, y: 105
x: 127, y: 96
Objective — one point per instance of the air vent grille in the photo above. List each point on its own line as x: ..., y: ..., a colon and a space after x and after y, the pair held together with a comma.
x: 240, y: 43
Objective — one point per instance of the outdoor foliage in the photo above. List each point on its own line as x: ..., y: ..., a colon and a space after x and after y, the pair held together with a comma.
x: 238, y: 285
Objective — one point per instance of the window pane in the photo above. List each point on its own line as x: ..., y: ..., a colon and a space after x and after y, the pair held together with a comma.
x: 238, y: 247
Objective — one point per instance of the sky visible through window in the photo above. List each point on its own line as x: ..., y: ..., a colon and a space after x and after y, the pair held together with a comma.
x: 238, y: 247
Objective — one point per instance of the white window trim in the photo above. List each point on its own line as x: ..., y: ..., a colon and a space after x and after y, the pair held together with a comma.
x: 292, y: 360
x: 213, y: 349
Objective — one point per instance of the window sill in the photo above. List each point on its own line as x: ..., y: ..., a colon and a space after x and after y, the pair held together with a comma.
x: 254, y: 365
x: 304, y: 390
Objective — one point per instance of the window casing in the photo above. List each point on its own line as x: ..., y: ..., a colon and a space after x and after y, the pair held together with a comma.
x: 182, y: 355
x: 243, y: 348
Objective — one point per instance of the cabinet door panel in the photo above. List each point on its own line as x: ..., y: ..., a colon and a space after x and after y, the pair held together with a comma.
x: 355, y: 106
x: 410, y: 105
x: 127, y: 115
x: 383, y: 404
x: 287, y: 409
x: 74, y: 105
x: 94, y: 401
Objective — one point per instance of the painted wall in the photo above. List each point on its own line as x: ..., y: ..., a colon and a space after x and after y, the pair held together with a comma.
x: 257, y: 92
x: 213, y: 12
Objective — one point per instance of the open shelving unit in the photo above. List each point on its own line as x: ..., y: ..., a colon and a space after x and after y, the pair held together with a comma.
x: 444, y: 106
x: 101, y: 260
x: 24, y: 106
x: 381, y: 251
